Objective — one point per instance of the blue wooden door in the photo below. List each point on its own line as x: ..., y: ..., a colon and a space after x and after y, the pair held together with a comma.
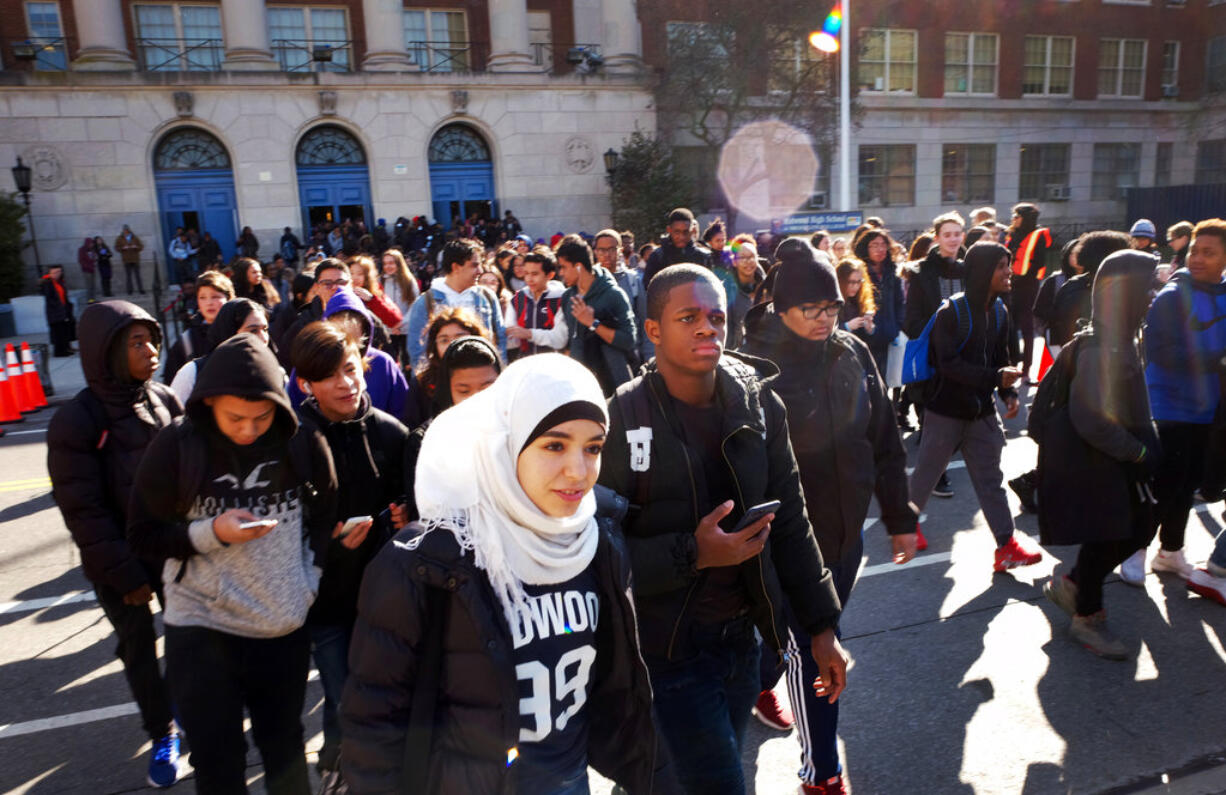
x: 335, y: 193
x: 202, y: 199
x: 462, y: 189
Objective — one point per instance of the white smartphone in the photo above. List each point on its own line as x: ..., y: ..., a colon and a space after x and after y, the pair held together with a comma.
x: 353, y: 522
x: 259, y: 523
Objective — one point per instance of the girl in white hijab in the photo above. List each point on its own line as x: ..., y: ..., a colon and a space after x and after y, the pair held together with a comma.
x: 504, y: 613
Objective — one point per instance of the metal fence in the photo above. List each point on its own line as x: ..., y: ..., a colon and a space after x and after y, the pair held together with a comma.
x: 179, y: 55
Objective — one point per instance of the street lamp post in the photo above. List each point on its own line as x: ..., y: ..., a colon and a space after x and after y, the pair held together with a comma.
x: 610, y: 164
x: 21, y: 178
x: 839, y: 22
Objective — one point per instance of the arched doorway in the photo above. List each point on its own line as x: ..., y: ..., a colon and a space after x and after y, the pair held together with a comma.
x: 195, y: 188
x: 333, y: 181
x: 461, y: 175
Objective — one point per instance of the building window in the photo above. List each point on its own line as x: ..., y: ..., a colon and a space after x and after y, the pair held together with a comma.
x: 189, y: 149
x: 172, y: 37
x: 887, y: 175
x: 540, y: 37
x: 1116, y: 168
x: 970, y: 63
x: 1048, y: 69
x: 43, y: 24
x: 968, y: 173
x: 1121, y: 67
x: 1216, y: 72
x: 329, y: 145
x: 1162, y: 164
x: 887, y: 61
x: 296, y: 32
x: 458, y: 143
x: 1211, y: 162
x: 1043, y: 175
x: 686, y: 38
x: 437, y: 41
x: 1170, y: 68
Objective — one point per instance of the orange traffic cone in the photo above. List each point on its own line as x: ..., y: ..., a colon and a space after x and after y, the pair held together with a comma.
x: 8, y: 404
x: 20, y: 395
x: 29, y: 372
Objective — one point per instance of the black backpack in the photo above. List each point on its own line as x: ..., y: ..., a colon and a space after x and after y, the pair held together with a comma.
x: 1053, y: 391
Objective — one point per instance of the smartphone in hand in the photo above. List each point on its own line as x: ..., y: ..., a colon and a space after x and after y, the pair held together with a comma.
x: 755, y: 513
x: 352, y: 523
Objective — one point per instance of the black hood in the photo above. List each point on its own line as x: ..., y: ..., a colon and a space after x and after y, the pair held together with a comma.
x: 99, y: 330
x: 767, y: 337
x: 1121, y: 295
x: 979, y: 265
x: 229, y: 320
x: 245, y: 367
x: 945, y: 268
x: 442, y: 393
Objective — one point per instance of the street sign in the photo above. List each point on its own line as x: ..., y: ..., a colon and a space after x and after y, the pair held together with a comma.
x: 811, y: 222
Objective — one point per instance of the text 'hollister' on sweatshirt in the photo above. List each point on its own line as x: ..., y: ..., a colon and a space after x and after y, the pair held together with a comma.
x: 193, y: 473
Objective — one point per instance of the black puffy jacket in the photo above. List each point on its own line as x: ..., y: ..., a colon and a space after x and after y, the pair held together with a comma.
x: 843, y: 432
x: 193, y: 342
x: 477, y: 718
x: 663, y: 551
x: 968, y: 365
x: 924, y: 289
x: 368, y: 452
x: 92, y: 474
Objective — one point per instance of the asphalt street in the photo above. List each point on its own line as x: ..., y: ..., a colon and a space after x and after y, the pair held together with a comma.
x: 963, y: 681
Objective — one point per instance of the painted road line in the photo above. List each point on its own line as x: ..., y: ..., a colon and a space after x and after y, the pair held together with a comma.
x: 41, y: 604
x: 32, y: 484
x: 23, y: 433
x: 88, y: 716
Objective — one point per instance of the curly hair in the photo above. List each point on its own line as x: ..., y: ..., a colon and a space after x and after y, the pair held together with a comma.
x: 428, y: 371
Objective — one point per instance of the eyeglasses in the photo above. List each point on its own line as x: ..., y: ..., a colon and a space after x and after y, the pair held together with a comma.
x: 811, y: 312
x: 330, y: 283
x: 605, y: 249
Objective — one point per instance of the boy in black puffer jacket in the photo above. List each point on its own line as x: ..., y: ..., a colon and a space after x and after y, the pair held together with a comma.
x: 368, y: 448
x: 94, y: 444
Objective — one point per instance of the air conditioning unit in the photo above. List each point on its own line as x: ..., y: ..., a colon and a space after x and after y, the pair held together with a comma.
x: 1057, y: 193
x: 818, y: 201
x: 1170, y: 90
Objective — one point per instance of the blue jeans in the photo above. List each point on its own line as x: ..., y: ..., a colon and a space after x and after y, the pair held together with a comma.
x: 702, y: 706
x: 330, y: 648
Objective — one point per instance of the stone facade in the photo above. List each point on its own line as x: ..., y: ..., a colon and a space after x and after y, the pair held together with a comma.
x: 105, y: 133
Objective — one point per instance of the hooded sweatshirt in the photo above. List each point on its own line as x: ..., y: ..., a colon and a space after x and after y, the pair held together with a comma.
x: 968, y: 365
x: 1185, y: 342
x: 478, y: 299
x: 385, y: 381
x: 93, y: 467
x: 227, y: 323
x: 193, y: 473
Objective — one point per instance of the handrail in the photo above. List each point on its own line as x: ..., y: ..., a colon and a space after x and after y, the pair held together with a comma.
x: 296, y: 55
x: 455, y: 56
x: 179, y: 55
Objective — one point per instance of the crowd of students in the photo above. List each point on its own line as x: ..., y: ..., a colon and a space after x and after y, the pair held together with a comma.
x: 583, y: 505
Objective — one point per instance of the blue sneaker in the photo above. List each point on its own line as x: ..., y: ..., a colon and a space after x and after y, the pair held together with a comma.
x: 164, y: 764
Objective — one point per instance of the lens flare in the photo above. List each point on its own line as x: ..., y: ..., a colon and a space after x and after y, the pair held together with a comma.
x: 768, y: 169
x: 824, y: 41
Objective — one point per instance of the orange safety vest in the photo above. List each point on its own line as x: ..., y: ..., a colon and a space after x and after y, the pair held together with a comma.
x: 1025, y: 252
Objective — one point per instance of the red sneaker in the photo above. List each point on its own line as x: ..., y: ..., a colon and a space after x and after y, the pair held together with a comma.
x: 1019, y: 551
x: 770, y: 711
x: 921, y: 543
x: 832, y: 786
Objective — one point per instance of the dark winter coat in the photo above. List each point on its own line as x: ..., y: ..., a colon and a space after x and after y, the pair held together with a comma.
x: 477, y: 712
x: 667, y: 254
x: 58, y: 308
x: 92, y: 473
x: 368, y: 452
x: 843, y: 432
x: 310, y: 312
x: 1185, y: 345
x: 663, y: 551
x: 192, y: 343
x: 1045, y: 304
x: 1070, y: 308
x: 614, y: 362
x: 924, y: 291
x: 967, y: 374
x: 887, y: 290
x: 1087, y: 478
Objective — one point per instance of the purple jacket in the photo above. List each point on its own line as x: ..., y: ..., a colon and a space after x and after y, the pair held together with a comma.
x: 385, y: 381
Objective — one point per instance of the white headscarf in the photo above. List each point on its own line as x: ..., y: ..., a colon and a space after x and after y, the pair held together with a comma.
x: 466, y: 479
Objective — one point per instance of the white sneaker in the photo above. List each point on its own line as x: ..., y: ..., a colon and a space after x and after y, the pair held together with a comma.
x: 1132, y: 570
x: 1208, y: 585
x: 1172, y: 562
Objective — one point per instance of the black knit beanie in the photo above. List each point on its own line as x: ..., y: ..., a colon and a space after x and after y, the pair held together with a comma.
x: 804, y: 276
